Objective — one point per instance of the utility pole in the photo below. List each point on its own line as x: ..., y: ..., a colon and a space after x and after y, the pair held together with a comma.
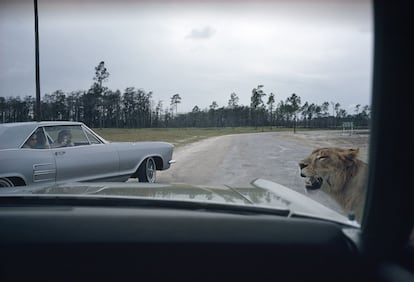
x: 37, y: 107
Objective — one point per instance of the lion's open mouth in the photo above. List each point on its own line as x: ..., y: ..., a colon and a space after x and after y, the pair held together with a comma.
x: 313, y: 183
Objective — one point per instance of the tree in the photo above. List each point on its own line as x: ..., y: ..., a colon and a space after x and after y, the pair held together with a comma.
x: 256, y: 99
x: 366, y: 111
x: 304, y: 112
x: 213, y: 105
x: 270, y: 103
x: 194, y: 116
x: 342, y: 113
x: 128, y: 102
x: 55, y: 107
x: 92, y: 107
x: 335, y: 109
x: 234, y: 101
x: 101, y: 74
x: 111, y: 105
x: 281, y: 113
x: 293, y: 103
x: 59, y: 105
x: 212, y: 114
x: 175, y: 100
x: 365, y: 115
x: 142, y: 110
x: 325, y: 109
x: 256, y: 102
x: 3, y: 107
x: 357, y: 109
x: 158, y: 113
x: 30, y: 105
x: 233, y: 106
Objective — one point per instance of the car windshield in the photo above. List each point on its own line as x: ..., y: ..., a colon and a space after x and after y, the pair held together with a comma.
x: 262, y: 103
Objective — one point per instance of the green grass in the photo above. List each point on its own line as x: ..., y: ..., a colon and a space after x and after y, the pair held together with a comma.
x: 176, y: 136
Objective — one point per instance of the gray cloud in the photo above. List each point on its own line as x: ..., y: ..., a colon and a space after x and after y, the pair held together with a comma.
x: 202, y: 33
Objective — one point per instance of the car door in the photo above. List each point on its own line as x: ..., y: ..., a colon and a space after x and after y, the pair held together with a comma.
x: 78, y: 159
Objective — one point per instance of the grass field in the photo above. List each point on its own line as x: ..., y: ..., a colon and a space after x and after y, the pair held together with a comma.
x: 176, y: 136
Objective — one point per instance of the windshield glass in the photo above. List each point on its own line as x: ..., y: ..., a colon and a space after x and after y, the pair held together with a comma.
x: 234, y: 90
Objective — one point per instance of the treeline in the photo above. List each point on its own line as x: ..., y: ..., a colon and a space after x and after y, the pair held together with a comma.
x: 135, y: 108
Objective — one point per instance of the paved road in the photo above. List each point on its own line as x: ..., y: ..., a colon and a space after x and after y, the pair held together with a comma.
x: 239, y: 159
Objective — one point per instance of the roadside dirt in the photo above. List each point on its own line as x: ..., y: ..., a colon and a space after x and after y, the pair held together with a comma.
x: 317, y: 139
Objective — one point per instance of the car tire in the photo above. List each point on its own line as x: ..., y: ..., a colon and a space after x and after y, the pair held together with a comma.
x: 5, y: 182
x: 147, y: 171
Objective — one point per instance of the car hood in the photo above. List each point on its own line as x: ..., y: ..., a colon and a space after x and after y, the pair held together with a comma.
x: 260, y: 194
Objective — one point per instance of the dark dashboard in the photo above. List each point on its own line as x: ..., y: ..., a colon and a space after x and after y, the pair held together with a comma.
x: 114, y: 243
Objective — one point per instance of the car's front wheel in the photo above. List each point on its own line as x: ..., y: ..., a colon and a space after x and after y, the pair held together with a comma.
x: 147, y: 171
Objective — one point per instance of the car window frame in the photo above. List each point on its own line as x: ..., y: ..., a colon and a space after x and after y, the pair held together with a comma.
x: 388, y: 218
x: 46, y: 137
x: 87, y: 131
x: 101, y: 139
x: 27, y: 139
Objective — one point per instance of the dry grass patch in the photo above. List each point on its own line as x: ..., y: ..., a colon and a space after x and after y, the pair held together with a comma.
x: 176, y: 136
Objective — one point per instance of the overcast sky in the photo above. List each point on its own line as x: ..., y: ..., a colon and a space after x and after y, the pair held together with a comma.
x: 204, y: 51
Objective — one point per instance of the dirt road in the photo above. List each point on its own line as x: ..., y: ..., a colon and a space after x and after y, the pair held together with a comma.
x: 238, y: 159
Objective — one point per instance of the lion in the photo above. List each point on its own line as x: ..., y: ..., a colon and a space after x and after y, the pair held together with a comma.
x: 340, y: 174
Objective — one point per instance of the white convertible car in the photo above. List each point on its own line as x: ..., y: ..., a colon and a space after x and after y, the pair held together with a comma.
x: 39, y: 152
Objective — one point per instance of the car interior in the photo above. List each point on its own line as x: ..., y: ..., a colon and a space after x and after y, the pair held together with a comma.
x: 91, y: 239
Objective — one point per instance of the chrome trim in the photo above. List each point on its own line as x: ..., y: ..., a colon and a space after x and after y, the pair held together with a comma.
x: 43, y: 172
x: 46, y: 174
x: 37, y: 166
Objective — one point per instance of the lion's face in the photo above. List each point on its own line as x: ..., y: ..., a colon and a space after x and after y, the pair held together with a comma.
x: 326, y: 168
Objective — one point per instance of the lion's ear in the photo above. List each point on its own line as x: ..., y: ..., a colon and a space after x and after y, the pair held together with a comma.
x: 351, y: 154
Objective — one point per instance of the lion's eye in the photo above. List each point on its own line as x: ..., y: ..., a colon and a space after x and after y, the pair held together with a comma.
x: 322, y: 157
